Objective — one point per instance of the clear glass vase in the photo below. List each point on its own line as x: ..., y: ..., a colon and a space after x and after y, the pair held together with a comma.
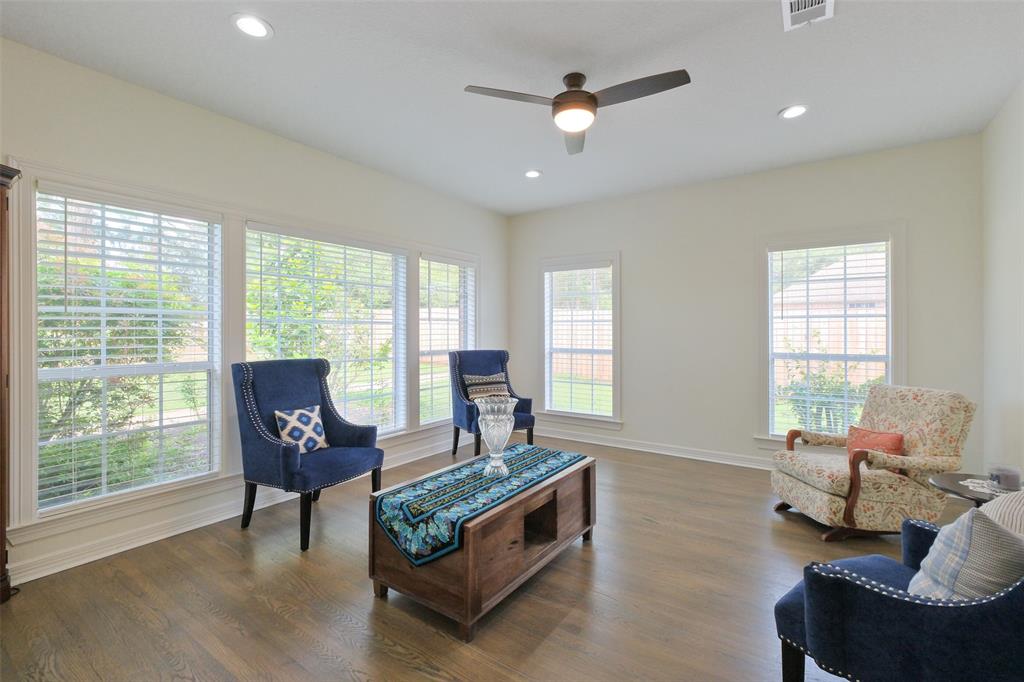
x: 496, y: 422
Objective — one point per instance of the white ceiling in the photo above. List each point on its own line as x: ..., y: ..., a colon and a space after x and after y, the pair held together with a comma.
x: 381, y: 83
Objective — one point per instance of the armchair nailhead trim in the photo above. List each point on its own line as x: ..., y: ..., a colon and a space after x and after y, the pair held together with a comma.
x: 816, y: 661
x: 923, y: 524
x: 325, y: 485
x: 453, y: 370
x: 888, y: 591
x: 250, y: 406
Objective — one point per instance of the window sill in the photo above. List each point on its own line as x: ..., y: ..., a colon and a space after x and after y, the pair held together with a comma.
x: 609, y: 423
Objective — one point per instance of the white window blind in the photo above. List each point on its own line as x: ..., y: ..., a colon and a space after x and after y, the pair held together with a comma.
x: 829, y: 334
x: 309, y: 299
x: 128, y: 348
x: 579, y: 335
x: 447, y: 322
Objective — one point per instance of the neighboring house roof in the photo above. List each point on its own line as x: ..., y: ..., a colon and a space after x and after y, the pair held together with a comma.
x: 865, y: 281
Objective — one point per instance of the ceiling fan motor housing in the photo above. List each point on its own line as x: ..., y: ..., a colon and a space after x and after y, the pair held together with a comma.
x: 574, y: 99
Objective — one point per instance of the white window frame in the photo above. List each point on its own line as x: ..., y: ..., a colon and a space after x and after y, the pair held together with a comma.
x: 23, y: 470
x: 472, y: 333
x: 584, y: 262
x: 404, y: 347
x: 895, y: 234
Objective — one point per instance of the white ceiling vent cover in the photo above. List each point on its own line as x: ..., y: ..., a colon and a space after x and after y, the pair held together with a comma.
x: 797, y: 13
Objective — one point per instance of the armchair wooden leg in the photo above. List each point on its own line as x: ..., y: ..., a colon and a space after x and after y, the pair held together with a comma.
x: 792, y: 663
x: 836, y: 534
x: 476, y: 444
x: 529, y: 436
x: 305, y: 512
x: 375, y: 480
x: 250, y: 500
x: 782, y: 506
x: 455, y: 441
x: 316, y: 495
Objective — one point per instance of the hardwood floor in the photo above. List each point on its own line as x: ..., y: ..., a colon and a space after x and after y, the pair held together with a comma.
x: 687, y: 561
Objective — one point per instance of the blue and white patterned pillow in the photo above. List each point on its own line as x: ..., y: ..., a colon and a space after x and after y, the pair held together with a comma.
x: 972, y: 557
x: 302, y: 426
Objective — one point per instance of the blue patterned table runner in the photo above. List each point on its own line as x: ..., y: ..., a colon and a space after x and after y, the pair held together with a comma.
x: 423, y: 518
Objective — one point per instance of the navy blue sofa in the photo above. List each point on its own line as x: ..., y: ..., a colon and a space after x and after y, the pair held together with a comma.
x: 263, y: 387
x: 464, y: 411
x: 856, y: 620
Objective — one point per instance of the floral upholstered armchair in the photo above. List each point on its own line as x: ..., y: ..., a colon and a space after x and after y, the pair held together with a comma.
x: 836, y: 490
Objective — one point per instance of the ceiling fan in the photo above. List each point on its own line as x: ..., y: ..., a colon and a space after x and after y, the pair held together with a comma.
x: 575, y: 109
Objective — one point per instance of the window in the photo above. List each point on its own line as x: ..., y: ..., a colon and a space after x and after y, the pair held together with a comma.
x: 128, y: 350
x: 579, y: 339
x: 829, y: 334
x: 447, y: 322
x: 308, y: 298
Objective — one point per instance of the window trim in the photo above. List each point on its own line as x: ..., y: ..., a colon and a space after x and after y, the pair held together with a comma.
x: 473, y: 335
x: 893, y: 232
x: 23, y: 471
x: 583, y: 262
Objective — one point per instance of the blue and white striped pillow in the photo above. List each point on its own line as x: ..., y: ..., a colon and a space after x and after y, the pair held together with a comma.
x: 972, y: 557
x: 479, y: 386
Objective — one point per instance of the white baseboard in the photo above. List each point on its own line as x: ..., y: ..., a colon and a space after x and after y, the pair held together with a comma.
x: 85, y: 552
x: 735, y: 459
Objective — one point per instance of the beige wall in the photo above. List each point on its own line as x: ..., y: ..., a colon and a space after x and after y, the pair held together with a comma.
x: 1003, y: 181
x: 691, y: 315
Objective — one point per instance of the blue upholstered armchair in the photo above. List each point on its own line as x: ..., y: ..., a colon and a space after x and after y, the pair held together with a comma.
x: 464, y: 411
x: 855, y: 619
x: 263, y: 387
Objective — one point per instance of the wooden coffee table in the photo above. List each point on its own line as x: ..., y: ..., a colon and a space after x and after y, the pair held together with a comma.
x: 500, y: 549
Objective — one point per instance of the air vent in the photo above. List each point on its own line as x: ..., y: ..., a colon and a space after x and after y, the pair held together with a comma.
x: 797, y: 13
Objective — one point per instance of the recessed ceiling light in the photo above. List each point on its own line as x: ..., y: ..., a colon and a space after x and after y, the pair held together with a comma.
x: 533, y: 173
x: 252, y: 26
x: 793, y: 111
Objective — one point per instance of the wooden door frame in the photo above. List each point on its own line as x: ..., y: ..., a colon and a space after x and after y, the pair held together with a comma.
x: 8, y: 176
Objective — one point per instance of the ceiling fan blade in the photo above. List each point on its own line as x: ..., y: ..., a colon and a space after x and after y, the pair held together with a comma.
x: 641, y: 87
x: 574, y: 142
x: 508, y: 94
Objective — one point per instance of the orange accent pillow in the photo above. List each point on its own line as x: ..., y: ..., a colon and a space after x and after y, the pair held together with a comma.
x: 866, y: 439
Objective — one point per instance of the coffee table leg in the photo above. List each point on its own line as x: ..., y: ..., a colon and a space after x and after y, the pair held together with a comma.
x: 467, y: 632
x: 588, y: 536
x: 380, y: 589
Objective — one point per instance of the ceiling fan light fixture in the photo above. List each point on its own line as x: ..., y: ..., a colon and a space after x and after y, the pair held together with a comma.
x: 575, y: 119
x: 574, y: 110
